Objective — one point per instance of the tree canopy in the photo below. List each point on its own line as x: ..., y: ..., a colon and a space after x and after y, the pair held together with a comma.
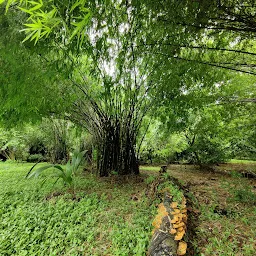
x: 106, y: 64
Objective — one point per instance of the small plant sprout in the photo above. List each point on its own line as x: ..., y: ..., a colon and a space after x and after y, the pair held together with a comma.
x: 66, y: 173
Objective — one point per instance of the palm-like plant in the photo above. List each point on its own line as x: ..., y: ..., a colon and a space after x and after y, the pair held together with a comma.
x: 65, y: 173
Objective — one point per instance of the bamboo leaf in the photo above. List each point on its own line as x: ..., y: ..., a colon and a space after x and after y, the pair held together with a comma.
x: 9, y: 3
x: 28, y: 36
x: 36, y: 7
x: 25, y: 10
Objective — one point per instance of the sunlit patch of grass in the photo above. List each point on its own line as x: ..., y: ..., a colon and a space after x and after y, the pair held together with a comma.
x: 150, y: 168
x: 101, y: 220
x: 237, y: 161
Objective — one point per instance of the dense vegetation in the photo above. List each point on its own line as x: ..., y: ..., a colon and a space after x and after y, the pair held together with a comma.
x: 126, y: 83
x: 98, y: 221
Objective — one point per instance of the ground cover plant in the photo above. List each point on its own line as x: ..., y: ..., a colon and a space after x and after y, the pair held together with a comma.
x: 103, y: 219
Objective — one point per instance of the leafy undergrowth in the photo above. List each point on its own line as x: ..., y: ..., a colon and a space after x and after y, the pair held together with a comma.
x: 224, y: 208
x: 104, y: 218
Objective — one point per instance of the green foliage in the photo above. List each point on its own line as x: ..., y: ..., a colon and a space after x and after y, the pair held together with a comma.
x: 12, y: 144
x: 29, y: 88
x: 176, y: 193
x: 208, y: 151
x: 235, y: 174
x: 207, y: 136
x: 65, y: 173
x: 43, y: 227
x: 130, y: 240
x: 161, y: 146
x: 240, y: 191
x: 35, y: 158
x: 51, y: 140
x: 245, y: 195
x: 44, y: 19
x: 174, y: 190
x: 101, y: 221
x: 131, y: 59
x: 58, y: 138
x: 150, y: 179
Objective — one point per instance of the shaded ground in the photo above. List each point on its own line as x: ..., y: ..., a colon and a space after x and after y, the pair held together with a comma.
x: 223, y: 206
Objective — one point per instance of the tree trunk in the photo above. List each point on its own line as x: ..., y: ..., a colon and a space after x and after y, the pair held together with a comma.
x: 116, y: 151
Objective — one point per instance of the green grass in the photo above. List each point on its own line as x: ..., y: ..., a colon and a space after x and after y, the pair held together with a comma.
x: 237, y: 161
x: 233, y: 232
x: 227, y: 235
x: 150, y: 168
x: 102, y: 220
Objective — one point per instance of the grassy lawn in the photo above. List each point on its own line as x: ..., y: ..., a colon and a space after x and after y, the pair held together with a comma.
x: 102, y: 219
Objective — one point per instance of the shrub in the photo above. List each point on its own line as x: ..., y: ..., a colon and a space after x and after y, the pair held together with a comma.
x: 36, y: 158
